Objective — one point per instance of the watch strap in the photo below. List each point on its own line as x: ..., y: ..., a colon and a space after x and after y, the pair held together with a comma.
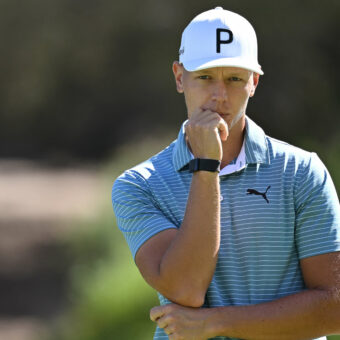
x: 199, y: 164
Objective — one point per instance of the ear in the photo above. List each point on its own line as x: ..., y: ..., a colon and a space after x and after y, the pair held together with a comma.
x: 178, y: 69
x: 256, y: 78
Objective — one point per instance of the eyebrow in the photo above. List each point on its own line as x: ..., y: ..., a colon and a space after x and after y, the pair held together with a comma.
x: 204, y: 71
x: 232, y: 74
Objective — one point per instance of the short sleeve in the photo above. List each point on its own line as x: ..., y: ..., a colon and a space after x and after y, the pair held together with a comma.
x: 136, y: 211
x: 317, y: 220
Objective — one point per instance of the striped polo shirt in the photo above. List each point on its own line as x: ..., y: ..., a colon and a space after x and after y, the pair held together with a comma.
x: 279, y: 208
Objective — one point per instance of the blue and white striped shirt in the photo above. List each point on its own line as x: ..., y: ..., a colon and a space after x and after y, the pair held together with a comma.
x: 278, y: 209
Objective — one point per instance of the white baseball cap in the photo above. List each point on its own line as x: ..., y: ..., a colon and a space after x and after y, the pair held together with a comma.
x: 218, y: 38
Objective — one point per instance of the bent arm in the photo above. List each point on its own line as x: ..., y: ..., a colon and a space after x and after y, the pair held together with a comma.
x: 180, y: 263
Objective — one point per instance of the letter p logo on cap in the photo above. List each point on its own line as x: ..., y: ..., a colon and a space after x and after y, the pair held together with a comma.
x: 219, y: 40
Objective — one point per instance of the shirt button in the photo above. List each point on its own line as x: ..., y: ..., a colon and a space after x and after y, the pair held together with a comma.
x: 221, y: 198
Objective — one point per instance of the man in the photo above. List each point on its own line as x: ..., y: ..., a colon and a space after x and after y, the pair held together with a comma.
x: 249, y: 251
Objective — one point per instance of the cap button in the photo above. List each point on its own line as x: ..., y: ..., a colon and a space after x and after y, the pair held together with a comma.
x: 219, y: 7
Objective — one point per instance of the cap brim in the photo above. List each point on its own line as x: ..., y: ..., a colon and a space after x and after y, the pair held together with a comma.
x: 201, y: 64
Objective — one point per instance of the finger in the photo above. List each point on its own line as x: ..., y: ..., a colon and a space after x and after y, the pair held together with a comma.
x: 162, y: 322
x: 156, y: 313
x: 215, y: 121
x: 200, y: 112
x: 207, y: 118
x: 223, y: 130
x: 195, y: 113
x: 168, y: 330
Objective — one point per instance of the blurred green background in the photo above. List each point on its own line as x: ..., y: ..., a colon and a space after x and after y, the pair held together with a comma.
x: 87, y: 91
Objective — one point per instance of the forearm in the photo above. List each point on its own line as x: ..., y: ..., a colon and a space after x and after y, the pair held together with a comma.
x: 305, y: 315
x: 188, y: 265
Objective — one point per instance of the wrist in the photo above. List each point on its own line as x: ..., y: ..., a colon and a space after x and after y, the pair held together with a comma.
x: 211, y: 324
x: 206, y: 176
x: 204, y: 164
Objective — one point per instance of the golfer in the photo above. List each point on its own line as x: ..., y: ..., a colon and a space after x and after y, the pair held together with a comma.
x: 238, y: 232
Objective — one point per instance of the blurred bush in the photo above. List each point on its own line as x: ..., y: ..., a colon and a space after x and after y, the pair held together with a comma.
x: 108, y: 298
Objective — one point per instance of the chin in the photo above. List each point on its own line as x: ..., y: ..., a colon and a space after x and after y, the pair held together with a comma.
x: 236, y: 121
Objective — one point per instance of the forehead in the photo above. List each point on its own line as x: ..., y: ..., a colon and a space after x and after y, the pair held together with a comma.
x: 225, y: 71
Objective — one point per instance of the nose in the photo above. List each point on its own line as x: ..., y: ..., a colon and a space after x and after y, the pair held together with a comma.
x: 219, y: 91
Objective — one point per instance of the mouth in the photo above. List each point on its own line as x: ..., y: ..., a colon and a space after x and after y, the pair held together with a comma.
x: 224, y: 115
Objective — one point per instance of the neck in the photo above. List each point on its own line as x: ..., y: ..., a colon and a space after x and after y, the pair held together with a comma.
x: 233, y: 145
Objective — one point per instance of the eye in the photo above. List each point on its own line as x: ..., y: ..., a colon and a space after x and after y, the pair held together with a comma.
x: 235, y: 79
x: 204, y: 77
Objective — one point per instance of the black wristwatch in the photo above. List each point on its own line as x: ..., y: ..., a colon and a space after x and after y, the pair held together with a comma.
x: 198, y: 164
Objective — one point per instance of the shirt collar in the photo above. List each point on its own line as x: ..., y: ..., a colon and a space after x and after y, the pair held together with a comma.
x: 181, y: 155
x: 237, y: 164
x: 255, y: 146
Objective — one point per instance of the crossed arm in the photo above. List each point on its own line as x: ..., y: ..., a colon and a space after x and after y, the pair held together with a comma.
x: 305, y: 315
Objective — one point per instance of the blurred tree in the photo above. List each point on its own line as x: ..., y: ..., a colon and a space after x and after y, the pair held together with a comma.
x: 81, y: 77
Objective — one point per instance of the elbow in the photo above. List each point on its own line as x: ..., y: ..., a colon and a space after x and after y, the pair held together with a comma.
x: 179, y: 293
x: 184, y: 291
x: 186, y: 297
x: 194, y: 302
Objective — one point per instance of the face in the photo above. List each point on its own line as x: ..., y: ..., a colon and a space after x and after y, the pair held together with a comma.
x: 225, y: 90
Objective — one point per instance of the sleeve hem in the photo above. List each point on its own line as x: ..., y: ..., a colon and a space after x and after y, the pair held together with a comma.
x: 320, y: 252
x: 157, y: 231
